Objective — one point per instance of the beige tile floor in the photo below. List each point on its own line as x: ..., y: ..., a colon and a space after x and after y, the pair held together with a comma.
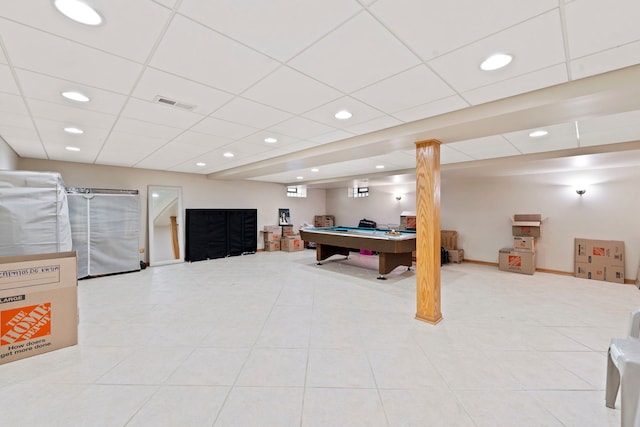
x: 272, y: 339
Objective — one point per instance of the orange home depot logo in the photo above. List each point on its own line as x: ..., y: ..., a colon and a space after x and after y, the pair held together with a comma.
x: 24, y: 323
x: 598, y: 251
x: 515, y: 261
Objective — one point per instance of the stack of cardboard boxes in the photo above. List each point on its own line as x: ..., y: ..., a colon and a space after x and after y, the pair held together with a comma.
x: 449, y: 241
x: 599, y: 260
x: 521, y: 258
x: 281, y: 238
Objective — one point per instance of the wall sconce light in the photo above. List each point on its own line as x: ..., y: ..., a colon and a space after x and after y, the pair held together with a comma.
x: 581, y: 191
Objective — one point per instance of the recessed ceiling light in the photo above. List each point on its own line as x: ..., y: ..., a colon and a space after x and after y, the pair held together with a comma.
x: 228, y: 154
x: 201, y: 164
x: 379, y: 166
x: 72, y: 148
x: 299, y: 177
x: 155, y: 195
x: 496, y: 61
x: 270, y: 140
x: 315, y: 170
x: 73, y: 130
x: 78, y: 11
x: 538, y: 133
x: 76, y: 96
x: 343, y: 115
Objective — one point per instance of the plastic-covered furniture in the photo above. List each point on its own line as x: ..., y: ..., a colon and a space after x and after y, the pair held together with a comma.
x: 623, y: 371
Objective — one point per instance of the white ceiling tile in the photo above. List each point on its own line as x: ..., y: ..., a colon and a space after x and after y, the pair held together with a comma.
x: 595, y: 25
x: 158, y: 83
x: 268, y: 26
x: 52, y: 134
x: 607, y: 60
x: 44, y: 88
x: 7, y: 82
x: 535, y: 44
x: 71, y: 115
x: 299, y: 127
x: 430, y: 109
x: 14, y: 105
x: 433, y: 29
x: 408, y: 89
x: 126, y: 149
x: 560, y: 137
x: 251, y: 113
x: 555, y: 74
x: 161, y: 114
x: 260, y: 136
x: 59, y: 153
x: 610, y: 129
x: 451, y: 155
x: 485, y: 148
x: 196, y: 139
x: 223, y: 128
x: 168, y: 3
x: 361, y: 113
x: 37, y: 51
x: 24, y: 141
x: 172, y: 154
x: 119, y: 34
x: 378, y: 123
x: 291, y: 91
x: 194, y: 51
x: 146, y: 129
x: 3, y: 59
x: 357, y: 54
x: 332, y: 136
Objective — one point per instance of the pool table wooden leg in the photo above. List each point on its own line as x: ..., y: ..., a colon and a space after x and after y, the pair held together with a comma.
x: 389, y: 261
x: 325, y: 251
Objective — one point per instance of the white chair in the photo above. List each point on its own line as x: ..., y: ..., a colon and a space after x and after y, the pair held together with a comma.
x: 623, y: 371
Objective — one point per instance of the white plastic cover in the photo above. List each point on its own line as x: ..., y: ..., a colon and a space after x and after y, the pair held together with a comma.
x: 34, y: 214
x: 106, y: 228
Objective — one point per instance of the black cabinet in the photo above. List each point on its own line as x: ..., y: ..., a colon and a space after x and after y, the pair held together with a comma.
x: 218, y: 233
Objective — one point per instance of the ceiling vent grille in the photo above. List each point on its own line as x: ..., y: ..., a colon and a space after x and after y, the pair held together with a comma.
x: 174, y: 103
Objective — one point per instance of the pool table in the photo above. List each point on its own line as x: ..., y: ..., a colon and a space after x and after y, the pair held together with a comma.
x: 395, y: 249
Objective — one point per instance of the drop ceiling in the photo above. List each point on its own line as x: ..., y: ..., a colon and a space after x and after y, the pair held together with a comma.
x: 407, y: 70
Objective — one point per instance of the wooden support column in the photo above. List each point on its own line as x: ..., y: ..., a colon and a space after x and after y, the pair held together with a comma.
x: 428, y: 231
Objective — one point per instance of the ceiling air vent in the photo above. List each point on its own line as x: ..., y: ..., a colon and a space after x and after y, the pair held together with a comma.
x: 173, y: 103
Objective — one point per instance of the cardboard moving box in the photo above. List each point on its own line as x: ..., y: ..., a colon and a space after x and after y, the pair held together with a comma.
x: 291, y: 244
x: 449, y: 239
x: 38, y: 304
x: 524, y: 244
x: 599, y: 260
x: 516, y: 262
x: 526, y: 225
x: 456, y: 255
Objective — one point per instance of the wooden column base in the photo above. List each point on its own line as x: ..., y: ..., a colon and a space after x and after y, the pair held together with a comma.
x: 426, y: 319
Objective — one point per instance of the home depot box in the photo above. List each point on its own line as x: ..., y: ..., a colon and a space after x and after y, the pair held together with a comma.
x: 38, y: 304
x: 270, y: 236
x: 449, y: 239
x: 456, y: 255
x: 272, y: 245
x: 287, y: 230
x: 324, y: 221
x: 291, y: 244
x: 272, y: 228
x: 599, y: 271
x: 610, y: 252
x: 407, y: 220
x: 526, y: 225
x: 517, y: 262
x: 524, y: 244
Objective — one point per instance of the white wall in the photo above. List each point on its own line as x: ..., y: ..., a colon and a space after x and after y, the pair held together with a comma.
x: 480, y: 210
x: 197, y: 191
x: 8, y: 157
x: 381, y: 206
